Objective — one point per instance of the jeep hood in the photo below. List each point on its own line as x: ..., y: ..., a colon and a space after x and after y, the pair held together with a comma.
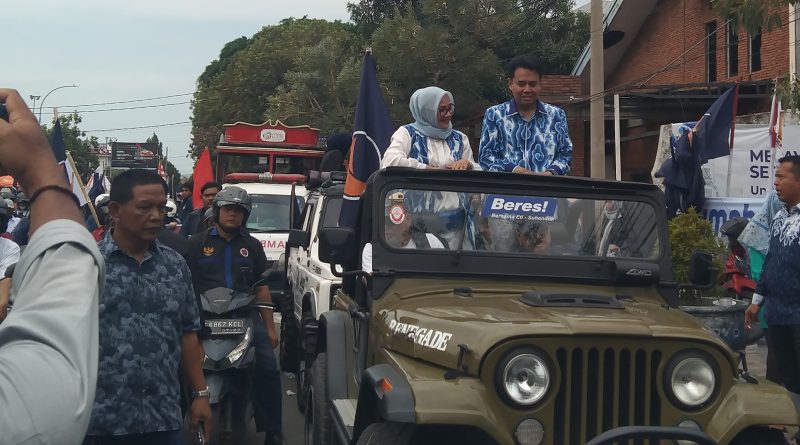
x: 430, y: 325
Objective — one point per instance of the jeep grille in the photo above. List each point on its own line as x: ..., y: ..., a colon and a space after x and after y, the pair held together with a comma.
x: 603, y: 388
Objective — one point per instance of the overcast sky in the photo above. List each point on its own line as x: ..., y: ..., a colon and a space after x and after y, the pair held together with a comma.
x: 131, y: 50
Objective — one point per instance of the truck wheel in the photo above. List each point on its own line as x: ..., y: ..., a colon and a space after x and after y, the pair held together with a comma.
x: 317, y: 423
x: 760, y: 436
x: 305, y: 356
x: 288, y: 337
x: 389, y: 433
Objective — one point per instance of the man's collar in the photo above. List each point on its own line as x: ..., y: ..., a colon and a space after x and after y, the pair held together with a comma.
x: 108, y: 245
x: 512, y: 108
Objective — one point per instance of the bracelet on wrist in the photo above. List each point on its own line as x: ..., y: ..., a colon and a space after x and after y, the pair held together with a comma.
x: 55, y: 188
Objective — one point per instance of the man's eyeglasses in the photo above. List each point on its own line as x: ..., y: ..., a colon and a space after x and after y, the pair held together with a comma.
x: 448, y: 109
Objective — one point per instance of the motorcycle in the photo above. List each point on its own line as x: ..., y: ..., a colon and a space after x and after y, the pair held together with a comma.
x: 229, y: 318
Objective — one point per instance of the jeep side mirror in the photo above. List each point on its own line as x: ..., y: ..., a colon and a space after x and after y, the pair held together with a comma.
x: 702, y: 273
x: 337, y: 245
x: 299, y: 238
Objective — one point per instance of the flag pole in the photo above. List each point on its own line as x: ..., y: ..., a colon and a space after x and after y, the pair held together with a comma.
x: 730, y: 144
x: 83, y: 189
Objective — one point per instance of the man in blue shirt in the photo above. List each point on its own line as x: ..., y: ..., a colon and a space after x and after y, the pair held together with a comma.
x: 525, y: 135
x: 148, y: 325
x: 779, y: 287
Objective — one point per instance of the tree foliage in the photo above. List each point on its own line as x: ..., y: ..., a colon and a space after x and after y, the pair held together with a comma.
x: 306, y: 71
x: 77, y: 144
x: 753, y: 15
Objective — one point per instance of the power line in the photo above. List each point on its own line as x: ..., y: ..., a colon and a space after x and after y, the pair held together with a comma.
x: 137, y: 128
x: 120, y: 109
x: 125, y: 101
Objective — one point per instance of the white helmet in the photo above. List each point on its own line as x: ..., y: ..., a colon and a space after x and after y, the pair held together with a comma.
x: 172, y: 208
x: 100, y: 198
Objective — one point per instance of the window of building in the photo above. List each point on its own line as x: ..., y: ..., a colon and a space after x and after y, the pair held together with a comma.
x: 755, y: 52
x: 733, y: 49
x: 711, y: 51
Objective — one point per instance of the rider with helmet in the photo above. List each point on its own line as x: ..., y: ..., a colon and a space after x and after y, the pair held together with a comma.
x: 171, y: 220
x: 226, y: 255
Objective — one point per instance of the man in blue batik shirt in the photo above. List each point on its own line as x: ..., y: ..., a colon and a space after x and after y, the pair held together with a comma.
x: 779, y: 287
x: 525, y: 135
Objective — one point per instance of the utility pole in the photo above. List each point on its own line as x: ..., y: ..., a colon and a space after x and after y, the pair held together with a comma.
x: 597, y: 146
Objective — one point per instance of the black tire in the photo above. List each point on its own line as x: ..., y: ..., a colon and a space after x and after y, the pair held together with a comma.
x: 306, y: 350
x: 289, y: 336
x: 388, y: 433
x: 760, y: 436
x: 318, y: 423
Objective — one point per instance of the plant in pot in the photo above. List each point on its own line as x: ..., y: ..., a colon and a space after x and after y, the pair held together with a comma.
x: 689, y: 232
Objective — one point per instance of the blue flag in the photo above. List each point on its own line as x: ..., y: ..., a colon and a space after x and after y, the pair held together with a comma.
x: 372, y: 133
x: 57, y: 144
x: 712, y: 137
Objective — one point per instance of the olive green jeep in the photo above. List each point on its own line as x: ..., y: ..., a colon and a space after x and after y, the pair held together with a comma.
x: 497, y: 308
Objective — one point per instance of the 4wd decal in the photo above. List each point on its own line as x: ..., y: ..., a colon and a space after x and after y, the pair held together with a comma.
x: 427, y: 338
x: 520, y: 207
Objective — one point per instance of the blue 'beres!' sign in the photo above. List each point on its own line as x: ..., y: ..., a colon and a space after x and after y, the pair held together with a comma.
x: 520, y: 208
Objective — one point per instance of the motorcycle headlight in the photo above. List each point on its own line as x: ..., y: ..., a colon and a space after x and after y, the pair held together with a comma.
x: 524, y: 378
x: 240, y: 349
x: 691, y: 379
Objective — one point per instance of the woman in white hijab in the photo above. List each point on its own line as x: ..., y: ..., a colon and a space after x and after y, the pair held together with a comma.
x: 430, y: 141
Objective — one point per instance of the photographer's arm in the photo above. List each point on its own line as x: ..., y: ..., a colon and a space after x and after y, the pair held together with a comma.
x: 48, y: 343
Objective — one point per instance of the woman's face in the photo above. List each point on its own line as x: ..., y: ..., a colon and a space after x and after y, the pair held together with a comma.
x: 445, y: 112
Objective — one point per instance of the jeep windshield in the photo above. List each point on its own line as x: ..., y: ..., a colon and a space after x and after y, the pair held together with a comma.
x: 271, y: 213
x: 524, y: 224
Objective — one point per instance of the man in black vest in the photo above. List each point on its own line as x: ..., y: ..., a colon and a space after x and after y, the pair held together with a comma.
x: 227, y: 256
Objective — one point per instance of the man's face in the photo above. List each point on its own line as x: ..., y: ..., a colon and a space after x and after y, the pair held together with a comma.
x: 525, y: 86
x: 184, y: 193
x: 231, y: 217
x: 143, y: 216
x: 209, y: 196
x: 787, y: 185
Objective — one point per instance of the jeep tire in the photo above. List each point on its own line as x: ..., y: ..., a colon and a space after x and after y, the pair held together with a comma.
x: 306, y: 349
x: 389, y: 433
x: 318, y: 420
x: 760, y: 436
x: 289, y: 335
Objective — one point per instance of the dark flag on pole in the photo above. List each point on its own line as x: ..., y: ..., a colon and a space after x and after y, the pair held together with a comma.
x: 713, y: 136
x: 372, y: 133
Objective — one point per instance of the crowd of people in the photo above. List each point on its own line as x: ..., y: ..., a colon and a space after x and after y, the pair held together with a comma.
x: 110, y: 328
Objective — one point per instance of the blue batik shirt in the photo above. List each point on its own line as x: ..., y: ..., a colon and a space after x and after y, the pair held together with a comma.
x: 780, y: 277
x: 144, y: 311
x: 539, y: 145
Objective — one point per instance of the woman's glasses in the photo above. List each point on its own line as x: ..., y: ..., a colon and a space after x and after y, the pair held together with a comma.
x: 448, y: 109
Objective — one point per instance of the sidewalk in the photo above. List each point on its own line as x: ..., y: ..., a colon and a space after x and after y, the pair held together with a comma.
x: 757, y: 359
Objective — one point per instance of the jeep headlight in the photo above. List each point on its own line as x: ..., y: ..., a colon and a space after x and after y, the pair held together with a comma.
x: 691, y: 379
x: 524, y: 378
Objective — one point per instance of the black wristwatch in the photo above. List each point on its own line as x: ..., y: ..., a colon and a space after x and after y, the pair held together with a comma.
x: 202, y: 393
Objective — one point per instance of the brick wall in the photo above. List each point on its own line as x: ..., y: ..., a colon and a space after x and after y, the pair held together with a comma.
x: 675, y: 26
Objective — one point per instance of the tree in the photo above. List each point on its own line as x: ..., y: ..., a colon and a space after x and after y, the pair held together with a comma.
x: 76, y: 143
x: 368, y: 15
x: 438, y: 54
x: 753, y: 15
x: 240, y: 92
x: 322, y: 90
